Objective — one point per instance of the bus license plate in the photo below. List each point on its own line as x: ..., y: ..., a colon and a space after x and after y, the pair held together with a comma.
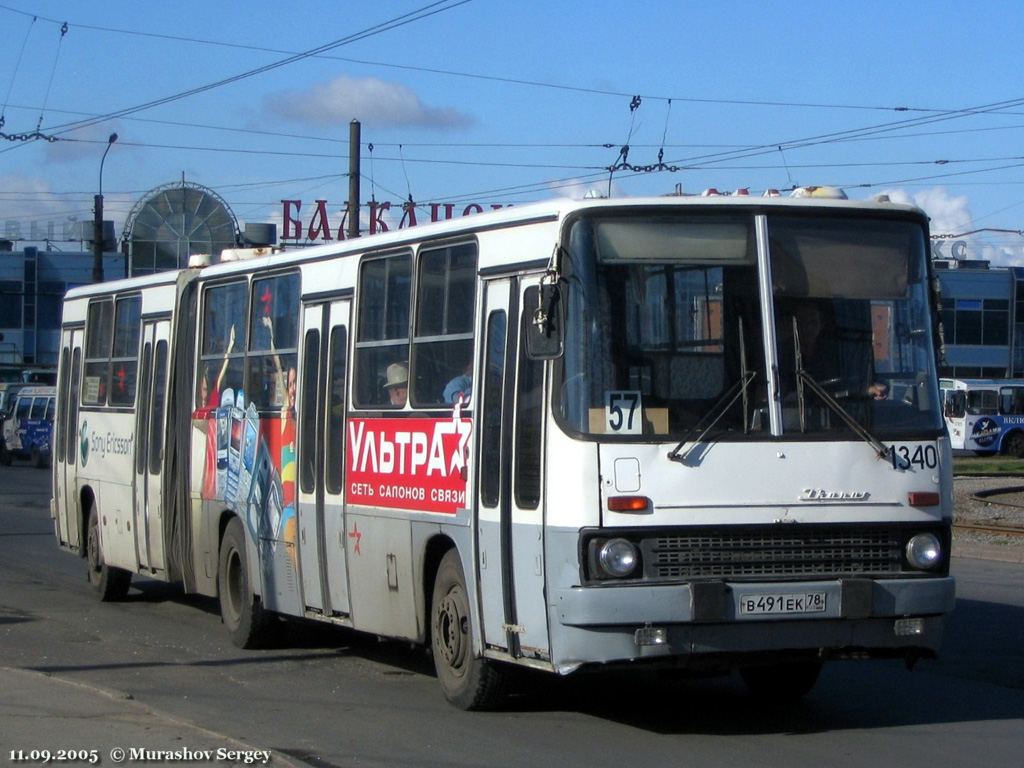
x: 802, y: 602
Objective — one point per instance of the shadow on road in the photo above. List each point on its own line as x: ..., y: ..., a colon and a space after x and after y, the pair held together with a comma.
x: 979, y: 677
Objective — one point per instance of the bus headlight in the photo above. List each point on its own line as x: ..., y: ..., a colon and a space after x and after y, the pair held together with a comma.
x: 924, y: 551
x: 618, y: 557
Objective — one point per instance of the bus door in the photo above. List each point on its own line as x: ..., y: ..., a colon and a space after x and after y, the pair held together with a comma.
x: 321, y: 491
x: 150, y: 427
x: 953, y: 408
x: 65, y: 453
x: 509, y: 452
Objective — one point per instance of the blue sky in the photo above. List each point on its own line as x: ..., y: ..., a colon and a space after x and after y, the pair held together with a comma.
x: 506, y: 102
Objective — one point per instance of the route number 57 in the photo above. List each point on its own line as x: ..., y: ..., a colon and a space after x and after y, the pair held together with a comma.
x: 622, y: 412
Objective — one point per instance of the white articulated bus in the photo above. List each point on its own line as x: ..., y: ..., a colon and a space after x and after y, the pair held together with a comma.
x: 698, y: 432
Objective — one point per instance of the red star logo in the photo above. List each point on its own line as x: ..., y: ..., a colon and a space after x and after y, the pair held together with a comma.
x: 356, y: 534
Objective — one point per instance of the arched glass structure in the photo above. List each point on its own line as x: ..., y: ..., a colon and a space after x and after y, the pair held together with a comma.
x: 175, y: 221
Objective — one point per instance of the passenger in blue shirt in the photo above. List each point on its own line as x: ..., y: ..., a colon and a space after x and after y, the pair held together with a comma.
x: 460, y: 385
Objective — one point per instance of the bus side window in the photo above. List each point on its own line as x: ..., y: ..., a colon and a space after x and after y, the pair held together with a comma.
x: 98, y: 333
x: 273, y: 342
x: 382, y: 334
x: 442, y: 352
x: 156, y: 425
x: 72, y: 418
x: 222, y: 347
x: 308, y: 416
x: 335, y: 448
x: 492, y: 411
x: 124, y: 358
x: 529, y: 423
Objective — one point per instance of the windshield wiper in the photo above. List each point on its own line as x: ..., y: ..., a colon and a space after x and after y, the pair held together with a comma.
x: 803, y: 378
x: 713, y: 416
x: 720, y: 408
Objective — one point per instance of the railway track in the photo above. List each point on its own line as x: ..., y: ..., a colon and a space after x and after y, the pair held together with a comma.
x: 998, y: 530
x: 999, y: 497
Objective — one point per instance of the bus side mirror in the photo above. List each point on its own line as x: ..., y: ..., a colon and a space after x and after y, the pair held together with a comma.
x: 542, y: 318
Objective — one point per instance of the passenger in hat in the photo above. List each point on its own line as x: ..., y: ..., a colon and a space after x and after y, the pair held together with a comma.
x: 397, y: 384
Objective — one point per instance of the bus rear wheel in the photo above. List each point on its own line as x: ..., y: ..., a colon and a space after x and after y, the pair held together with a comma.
x: 468, y: 681
x: 247, y: 622
x: 781, y: 683
x: 1015, y: 445
x: 109, y: 583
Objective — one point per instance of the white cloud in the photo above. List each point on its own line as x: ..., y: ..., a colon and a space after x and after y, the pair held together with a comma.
x: 85, y: 144
x: 949, y: 215
x: 370, y: 100
x: 31, y: 212
x: 578, y: 189
x: 1002, y: 255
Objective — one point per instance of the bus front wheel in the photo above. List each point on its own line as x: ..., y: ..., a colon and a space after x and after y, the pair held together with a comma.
x: 247, y: 622
x: 468, y: 681
x: 109, y: 583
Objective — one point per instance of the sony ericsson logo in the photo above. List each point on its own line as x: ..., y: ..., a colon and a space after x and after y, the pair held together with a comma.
x: 985, y: 431
x: 85, y: 443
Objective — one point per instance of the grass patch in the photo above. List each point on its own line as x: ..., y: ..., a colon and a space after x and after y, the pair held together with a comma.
x: 988, y: 465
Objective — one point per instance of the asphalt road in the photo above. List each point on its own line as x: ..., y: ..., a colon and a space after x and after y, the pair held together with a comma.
x: 332, y: 697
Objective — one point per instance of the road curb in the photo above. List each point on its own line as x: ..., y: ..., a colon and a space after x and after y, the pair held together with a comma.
x: 41, y: 711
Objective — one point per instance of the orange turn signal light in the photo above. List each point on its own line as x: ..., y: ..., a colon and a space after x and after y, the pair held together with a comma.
x: 628, y: 503
x: 923, y: 499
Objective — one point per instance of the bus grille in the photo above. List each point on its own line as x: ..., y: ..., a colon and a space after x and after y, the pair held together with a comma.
x: 807, y: 552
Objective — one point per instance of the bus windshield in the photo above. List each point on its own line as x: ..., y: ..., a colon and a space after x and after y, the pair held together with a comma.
x: 665, y: 327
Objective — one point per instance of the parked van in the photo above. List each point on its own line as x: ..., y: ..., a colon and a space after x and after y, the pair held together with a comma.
x: 28, y: 428
x: 8, y: 389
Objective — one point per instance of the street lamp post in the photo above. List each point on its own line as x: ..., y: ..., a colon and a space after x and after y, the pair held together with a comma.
x: 97, y: 221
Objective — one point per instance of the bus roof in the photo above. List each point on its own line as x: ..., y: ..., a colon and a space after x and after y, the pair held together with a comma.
x: 949, y: 383
x: 37, y: 390
x: 549, y: 210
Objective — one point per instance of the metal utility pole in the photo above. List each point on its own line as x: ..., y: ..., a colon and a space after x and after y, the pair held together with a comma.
x: 353, y: 178
x: 97, y: 220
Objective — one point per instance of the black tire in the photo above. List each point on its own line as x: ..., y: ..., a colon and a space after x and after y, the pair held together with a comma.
x: 5, y: 455
x: 248, y: 624
x: 468, y: 681
x: 781, y: 683
x: 1014, y: 445
x: 108, y: 582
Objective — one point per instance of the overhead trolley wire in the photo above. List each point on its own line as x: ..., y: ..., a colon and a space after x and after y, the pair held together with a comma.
x: 498, y: 78
x: 53, y: 71
x: 419, y: 14
x: 14, y: 75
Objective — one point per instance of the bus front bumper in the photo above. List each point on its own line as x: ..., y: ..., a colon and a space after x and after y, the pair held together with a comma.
x: 843, y: 617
